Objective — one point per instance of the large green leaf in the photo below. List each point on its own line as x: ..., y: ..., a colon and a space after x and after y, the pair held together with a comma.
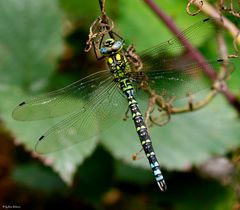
x: 30, y: 43
x: 82, y: 10
x: 194, y: 193
x: 86, y: 11
x: 64, y: 162
x: 31, y: 174
x: 188, y: 139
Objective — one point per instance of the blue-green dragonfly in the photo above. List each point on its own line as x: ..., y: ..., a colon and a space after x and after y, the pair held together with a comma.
x: 93, y: 100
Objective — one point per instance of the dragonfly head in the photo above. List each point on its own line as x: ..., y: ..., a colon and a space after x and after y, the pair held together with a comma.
x: 111, y: 46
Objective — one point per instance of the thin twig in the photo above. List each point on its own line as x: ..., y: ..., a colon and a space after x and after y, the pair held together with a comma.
x: 102, y: 6
x: 188, y: 8
x: 231, y: 9
x: 212, y: 12
x: 196, y: 105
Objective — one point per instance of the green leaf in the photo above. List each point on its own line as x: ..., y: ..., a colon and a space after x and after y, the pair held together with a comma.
x: 80, y: 9
x: 27, y: 133
x: 95, y: 173
x: 38, y: 177
x: 189, y: 139
x: 86, y: 11
x: 195, y: 193
x: 127, y: 172
x: 30, y: 41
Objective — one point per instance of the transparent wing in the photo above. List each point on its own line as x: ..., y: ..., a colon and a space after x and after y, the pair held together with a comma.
x: 162, y: 56
x: 180, y: 80
x: 105, y: 107
x: 62, y: 101
x: 170, y: 70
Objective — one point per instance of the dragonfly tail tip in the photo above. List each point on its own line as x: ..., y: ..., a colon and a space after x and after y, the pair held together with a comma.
x: 162, y: 185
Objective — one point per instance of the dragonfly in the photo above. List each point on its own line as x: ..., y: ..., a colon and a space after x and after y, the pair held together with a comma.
x: 91, y: 104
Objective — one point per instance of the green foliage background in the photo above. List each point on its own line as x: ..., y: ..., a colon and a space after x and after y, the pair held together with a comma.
x: 41, y: 49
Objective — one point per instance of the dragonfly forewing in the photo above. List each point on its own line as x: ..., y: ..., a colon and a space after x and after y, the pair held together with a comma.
x: 62, y: 101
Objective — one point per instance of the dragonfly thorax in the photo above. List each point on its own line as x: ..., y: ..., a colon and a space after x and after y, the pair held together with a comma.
x: 114, y: 52
x: 118, y: 65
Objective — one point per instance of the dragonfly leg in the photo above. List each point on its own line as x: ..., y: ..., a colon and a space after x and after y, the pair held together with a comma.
x: 134, y: 58
x: 192, y: 106
x: 135, y: 156
x: 125, y: 117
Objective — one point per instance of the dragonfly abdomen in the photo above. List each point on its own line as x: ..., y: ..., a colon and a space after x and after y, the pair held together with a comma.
x: 144, y: 137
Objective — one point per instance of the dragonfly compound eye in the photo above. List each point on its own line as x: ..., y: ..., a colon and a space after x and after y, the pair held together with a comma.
x: 117, y: 45
x: 103, y: 50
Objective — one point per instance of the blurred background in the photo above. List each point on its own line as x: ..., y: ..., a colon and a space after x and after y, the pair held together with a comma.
x: 42, y: 49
